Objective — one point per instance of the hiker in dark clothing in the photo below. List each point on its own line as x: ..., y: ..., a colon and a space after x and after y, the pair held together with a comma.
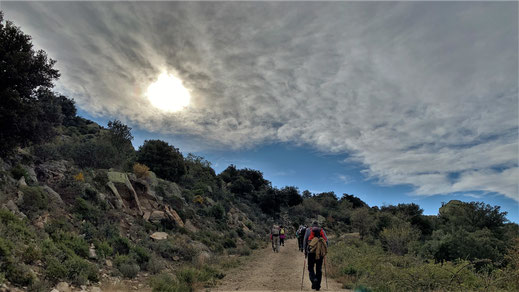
x: 300, y: 234
x: 313, y: 259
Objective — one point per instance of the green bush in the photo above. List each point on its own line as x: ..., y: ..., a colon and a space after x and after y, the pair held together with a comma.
x: 141, y: 255
x: 31, y: 254
x: 20, y: 274
x: 80, y: 270
x: 121, y: 245
x: 155, y: 265
x: 127, y: 266
x: 18, y: 171
x: 356, y: 263
x: 34, y: 200
x: 47, y: 152
x: 167, y: 283
x: 103, y: 249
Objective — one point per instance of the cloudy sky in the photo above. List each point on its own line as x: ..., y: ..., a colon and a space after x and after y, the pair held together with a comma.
x: 394, y: 102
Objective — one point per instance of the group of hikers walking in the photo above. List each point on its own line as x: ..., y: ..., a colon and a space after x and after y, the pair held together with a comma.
x: 312, y: 241
x: 277, y: 237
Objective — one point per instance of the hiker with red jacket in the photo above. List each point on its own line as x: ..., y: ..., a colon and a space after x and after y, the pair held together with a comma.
x: 315, y: 250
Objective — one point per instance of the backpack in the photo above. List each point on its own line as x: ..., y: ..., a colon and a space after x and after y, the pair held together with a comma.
x: 275, y: 232
x: 318, y: 246
x: 282, y: 231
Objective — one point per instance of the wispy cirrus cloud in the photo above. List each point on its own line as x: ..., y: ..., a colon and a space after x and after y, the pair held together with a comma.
x: 422, y: 93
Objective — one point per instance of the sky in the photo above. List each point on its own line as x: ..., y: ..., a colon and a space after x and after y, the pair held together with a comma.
x: 394, y: 102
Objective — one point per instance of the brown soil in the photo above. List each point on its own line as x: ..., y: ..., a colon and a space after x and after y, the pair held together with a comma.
x: 269, y: 271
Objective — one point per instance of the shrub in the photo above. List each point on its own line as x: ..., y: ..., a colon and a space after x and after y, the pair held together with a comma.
x: 141, y: 255
x: 121, y: 245
x: 18, y: 171
x: 167, y: 283
x: 20, y: 274
x: 396, y: 239
x: 47, y: 152
x: 79, y: 177
x: 127, y: 266
x: 31, y: 254
x: 103, y: 249
x: 141, y: 170
x: 80, y: 270
x: 34, y: 200
x: 155, y: 265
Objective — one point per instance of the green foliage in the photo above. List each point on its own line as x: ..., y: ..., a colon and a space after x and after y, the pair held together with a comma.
x: 47, y: 152
x: 167, y: 283
x: 85, y: 210
x: 121, y: 245
x: 217, y: 211
x: 127, y: 266
x: 18, y: 171
x: 396, y: 239
x: 29, y: 110
x: 165, y: 160
x: 20, y: 274
x: 103, y: 249
x: 34, y: 200
x: 357, y: 263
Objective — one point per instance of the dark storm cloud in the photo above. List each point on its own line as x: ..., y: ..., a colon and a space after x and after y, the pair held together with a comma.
x: 414, y: 91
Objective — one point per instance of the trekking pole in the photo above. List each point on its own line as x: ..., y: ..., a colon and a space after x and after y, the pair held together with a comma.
x: 325, y: 274
x: 303, y: 277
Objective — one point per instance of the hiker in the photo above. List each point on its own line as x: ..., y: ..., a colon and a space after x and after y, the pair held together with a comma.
x: 274, y: 238
x: 300, y: 235
x: 282, y: 235
x: 315, y: 245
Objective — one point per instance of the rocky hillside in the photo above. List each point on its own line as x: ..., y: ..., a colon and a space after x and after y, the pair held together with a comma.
x: 69, y: 224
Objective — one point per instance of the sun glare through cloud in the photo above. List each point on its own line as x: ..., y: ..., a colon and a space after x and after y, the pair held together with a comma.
x: 168, y: 93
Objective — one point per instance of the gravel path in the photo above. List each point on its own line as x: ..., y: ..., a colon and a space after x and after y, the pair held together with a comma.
x: 269, y: 271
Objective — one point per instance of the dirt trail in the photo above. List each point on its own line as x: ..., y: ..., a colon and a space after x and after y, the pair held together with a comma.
x: 269, y: 271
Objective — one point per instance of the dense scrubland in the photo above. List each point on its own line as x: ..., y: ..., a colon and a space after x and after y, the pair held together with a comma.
x: 79, y: 204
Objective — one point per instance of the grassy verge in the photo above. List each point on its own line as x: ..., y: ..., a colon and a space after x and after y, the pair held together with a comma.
x: 365, y: 267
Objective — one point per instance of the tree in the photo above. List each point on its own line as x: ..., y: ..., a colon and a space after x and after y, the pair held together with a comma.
x: 120, y: 134
x: 28, y: 109
x: 163, y: 159
x: 290, y: 196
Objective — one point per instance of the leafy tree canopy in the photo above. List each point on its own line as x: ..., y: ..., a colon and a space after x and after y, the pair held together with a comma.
x: 163, y: 159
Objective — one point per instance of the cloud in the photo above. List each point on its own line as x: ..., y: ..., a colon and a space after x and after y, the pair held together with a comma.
x: 346, y: 179
x: 421, y: 93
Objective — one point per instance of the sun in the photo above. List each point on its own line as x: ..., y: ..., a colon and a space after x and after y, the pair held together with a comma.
x: 168, y: 93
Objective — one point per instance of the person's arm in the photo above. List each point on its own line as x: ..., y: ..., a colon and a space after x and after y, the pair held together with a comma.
x: 323, y: 234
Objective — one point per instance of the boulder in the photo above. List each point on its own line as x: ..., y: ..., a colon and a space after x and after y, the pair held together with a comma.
x: 51, y: 172
x: 32, y: 174
x: 189, y: 226
x: 159, y: 236
x: 11, y: 206
x: 119, y: 178
x: 157, y: 216
x: 118, y: 202
x: 52, y: 194
x: 173, y: 215
x: 152, y: 179
x: 63, y: 287
x: 92, y: 252
x: 21, y: 182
